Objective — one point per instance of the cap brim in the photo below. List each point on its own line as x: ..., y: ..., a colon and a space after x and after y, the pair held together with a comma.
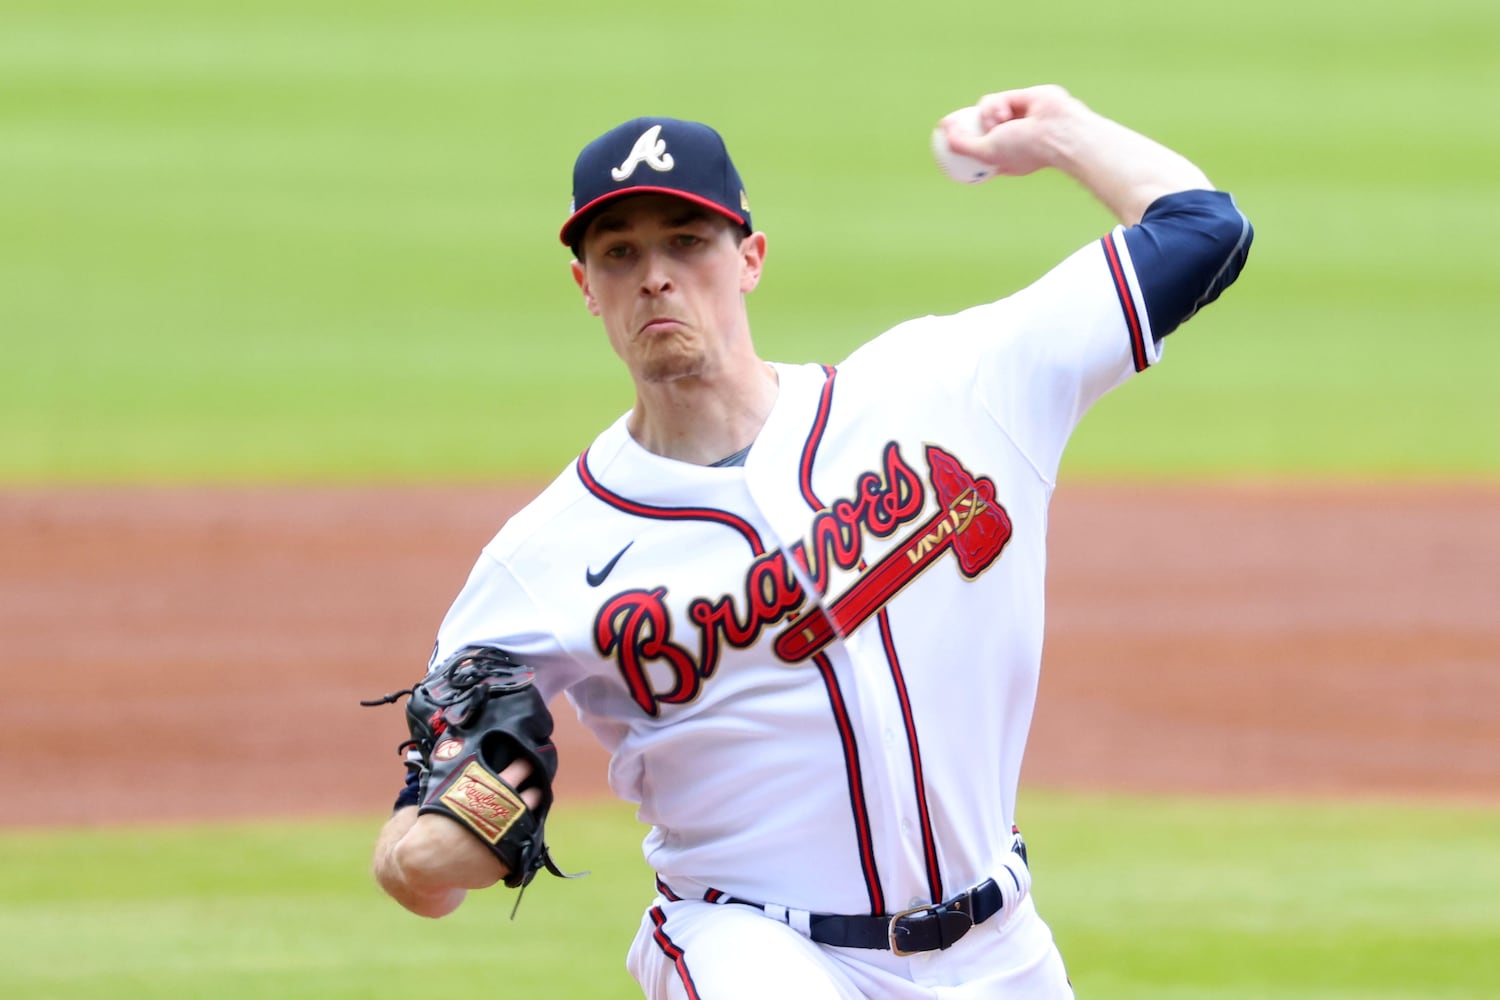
x: 572, y: 230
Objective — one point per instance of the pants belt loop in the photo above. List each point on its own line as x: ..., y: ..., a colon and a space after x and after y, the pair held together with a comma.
x: 798, y: 920
x: 801, y: 922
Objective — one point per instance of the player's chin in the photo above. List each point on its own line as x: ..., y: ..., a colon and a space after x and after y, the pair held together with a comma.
x: 670, y: 363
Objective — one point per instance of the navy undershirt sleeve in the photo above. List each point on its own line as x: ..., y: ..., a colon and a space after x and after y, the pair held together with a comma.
x: 408, y: 795
x: 1188, y: 247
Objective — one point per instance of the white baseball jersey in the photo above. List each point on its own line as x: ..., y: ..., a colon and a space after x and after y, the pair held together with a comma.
x: 815, y: 673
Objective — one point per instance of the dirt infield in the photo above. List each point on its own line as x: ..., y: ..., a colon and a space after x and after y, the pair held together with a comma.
x: 182, y: 654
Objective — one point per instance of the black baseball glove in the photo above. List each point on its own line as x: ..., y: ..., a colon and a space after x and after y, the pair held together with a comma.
x: 469, y: 719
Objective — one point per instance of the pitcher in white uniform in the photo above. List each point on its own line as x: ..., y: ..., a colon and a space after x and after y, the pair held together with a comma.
x: 801, y: 605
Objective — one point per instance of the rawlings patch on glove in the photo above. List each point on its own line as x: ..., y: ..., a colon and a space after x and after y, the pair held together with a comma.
x: 470, y: 718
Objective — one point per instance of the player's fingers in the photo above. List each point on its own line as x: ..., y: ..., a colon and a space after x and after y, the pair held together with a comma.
x: 1025, y: 102
x: 514, y: 774
x: 960, y: 139
x: 988, y: 147
x: 997, y: 109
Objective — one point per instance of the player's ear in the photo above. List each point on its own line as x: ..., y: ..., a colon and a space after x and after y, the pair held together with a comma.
x: 752, y: 259
x: 581, y: 277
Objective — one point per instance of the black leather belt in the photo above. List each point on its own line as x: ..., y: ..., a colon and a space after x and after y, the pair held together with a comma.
x: 933, y: 927
x: 922, y: 928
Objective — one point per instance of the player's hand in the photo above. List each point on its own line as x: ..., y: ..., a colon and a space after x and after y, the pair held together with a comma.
x: 1024, y: 130
x: 439, y: 853
x: 516, y: 772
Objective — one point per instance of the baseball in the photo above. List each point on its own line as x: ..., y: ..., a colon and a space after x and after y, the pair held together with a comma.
x: 964, y: 169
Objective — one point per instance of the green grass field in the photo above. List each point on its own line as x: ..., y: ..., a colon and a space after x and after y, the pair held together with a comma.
x: 1148, y: 899
x: 313, y: 241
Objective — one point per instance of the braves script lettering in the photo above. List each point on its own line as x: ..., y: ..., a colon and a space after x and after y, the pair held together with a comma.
x: 635, y: 627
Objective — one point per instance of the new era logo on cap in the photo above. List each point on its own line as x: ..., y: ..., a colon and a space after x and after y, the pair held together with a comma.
x: 661, y: 155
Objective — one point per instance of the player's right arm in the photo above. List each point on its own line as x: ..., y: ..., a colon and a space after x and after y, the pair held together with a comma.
x: 1037, y: 127
x: 1184, y: 242
x: 1048, y: 352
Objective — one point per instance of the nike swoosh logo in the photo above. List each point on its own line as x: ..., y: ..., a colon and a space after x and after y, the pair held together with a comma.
x: 595, y: 579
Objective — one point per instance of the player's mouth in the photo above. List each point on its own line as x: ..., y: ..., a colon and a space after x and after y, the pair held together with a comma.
x: 661, y: 324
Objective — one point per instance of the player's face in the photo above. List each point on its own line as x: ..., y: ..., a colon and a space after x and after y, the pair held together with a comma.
x: 669, y: 278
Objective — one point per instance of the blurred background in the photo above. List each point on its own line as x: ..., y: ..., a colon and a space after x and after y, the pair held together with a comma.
x: 315, y: 241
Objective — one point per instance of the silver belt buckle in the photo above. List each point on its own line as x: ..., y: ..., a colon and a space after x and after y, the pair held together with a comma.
x: 895, y: 918
x: 938, y: 911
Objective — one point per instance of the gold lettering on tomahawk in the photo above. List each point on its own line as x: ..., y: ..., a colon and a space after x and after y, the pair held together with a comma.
x: 961, y: 513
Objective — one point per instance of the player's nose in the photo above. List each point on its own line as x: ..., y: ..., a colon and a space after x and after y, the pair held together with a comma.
x: 656, y: 276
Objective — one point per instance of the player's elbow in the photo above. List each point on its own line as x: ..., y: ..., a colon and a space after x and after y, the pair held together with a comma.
x: 434, y: 905
x: 1189, y: 248
x: 438, y: 855
x: 421, y: 870
x: 412, y: 880
x: 1231, y: 233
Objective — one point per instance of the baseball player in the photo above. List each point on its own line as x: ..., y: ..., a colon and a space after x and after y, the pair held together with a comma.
x: 801, y: 605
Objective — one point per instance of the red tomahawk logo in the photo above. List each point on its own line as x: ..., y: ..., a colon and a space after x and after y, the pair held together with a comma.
x: 968, y: 521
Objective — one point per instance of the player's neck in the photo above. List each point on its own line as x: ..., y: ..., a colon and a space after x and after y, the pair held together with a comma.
x: 702, y: 420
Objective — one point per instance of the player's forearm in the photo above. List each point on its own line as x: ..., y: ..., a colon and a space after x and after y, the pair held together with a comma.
x: 1125, y: 170
x: 421, y: 867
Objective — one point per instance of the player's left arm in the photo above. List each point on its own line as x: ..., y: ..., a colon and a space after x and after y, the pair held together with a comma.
x: 406, y: 858
x: 430, y: 852
x: 428, y: 862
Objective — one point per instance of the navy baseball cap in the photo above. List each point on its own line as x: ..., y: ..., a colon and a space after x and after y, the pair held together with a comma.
x: 655, y: 155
